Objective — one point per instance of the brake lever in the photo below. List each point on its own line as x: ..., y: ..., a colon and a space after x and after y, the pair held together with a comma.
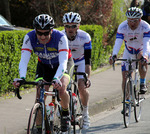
x: 17, y: 93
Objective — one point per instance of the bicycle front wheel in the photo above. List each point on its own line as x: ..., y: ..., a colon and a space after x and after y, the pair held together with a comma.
x: 126, y: 103
x: 139, y: 102
x: 36, y: 122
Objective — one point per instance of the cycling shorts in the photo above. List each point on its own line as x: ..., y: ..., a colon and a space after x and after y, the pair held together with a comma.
x: 127, y: 55
x: 80, y: 68
x: 47, y: 72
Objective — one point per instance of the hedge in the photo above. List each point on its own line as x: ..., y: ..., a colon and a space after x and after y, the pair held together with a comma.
x: 10, y: 54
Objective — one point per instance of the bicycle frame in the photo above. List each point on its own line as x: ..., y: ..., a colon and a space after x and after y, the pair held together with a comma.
x: 134, y: 82
x: 41, y: 102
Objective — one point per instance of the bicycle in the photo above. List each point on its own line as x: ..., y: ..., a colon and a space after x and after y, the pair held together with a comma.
x: 50, y: 125
x: 76, y: 107
x: 132, y: 97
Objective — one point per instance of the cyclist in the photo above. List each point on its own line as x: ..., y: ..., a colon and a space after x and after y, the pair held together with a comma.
x: 54, y: 59
x: 136, y: 35
x: 146, y: 11
x: 80, y: 44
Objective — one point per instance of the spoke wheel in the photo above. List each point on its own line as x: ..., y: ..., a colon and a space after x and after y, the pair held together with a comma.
x: 139, y: 102
x: 127, y: 106
x: 36, y: 123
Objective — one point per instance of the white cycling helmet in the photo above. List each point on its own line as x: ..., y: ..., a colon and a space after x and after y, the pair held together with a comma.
x: 71, y: 17
x: 134, y: 12
x: 43, y: 22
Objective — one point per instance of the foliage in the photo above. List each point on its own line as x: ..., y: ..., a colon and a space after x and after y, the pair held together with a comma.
x: 92, y: 11
x: 10, y: 53
x: 117, y: 16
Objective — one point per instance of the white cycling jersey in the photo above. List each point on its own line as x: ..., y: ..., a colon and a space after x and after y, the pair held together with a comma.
x: 135, y: 40
x: 81, y: 42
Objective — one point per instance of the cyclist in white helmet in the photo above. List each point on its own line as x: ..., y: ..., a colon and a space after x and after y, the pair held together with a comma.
x: 136, y: 35
x: 80, y: 44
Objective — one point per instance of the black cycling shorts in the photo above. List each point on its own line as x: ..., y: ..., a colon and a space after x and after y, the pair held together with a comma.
x: 47, y: 72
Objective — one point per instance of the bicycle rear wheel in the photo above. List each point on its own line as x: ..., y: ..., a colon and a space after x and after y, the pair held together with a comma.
x: 139, y: 102
x: 126, y: 102
x: 36, y: 125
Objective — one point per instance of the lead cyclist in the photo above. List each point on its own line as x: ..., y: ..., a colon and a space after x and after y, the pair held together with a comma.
x: 54, y: 60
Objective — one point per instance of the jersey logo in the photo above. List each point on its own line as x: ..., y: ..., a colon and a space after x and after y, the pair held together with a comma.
x: 47, y: 56
x: 26, y: 42
x: 51, y: 49
x: 133, y: 38
x: 39, y: 48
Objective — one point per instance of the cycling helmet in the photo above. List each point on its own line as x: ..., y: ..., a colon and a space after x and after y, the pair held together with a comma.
x: 134, y: 12
x: 71, y: 17
x: 43, y: 22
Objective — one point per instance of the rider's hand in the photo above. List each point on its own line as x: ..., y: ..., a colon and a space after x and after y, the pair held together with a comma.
x: 17, y: 82
x: 56, y: 83
x: 143, y: 61
x: 112, y: 59
x: 88, y: 83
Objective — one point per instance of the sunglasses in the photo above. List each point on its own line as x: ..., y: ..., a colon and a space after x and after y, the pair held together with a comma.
x: 42, y: 33
x: 135, y: 20
x: 70, y: 26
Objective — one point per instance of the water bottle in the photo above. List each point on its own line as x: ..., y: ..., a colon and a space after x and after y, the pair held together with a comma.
x: 50, y: 111
x: 74, y: 97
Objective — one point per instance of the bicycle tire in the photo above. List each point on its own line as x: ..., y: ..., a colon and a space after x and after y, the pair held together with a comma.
x: 32, y: 127
x: 139, y: 103
x: 78, y: 112
x: 127, y: 107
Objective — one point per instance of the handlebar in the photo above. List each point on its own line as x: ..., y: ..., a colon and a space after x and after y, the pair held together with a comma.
x: 130, y: 60
x: 23, y: 82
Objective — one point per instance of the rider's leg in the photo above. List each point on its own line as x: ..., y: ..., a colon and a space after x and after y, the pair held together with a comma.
x: 63, y: 94
x: 142, y: 73
x: 84, y: 95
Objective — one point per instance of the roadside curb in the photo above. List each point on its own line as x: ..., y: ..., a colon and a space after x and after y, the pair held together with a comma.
x: 104, y: 105
x: 110, y: 103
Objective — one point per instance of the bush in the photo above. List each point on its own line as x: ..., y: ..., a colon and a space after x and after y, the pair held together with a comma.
x: 10, y: 53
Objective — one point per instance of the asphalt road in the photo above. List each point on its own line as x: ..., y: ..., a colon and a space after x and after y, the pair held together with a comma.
x: 105, y: 93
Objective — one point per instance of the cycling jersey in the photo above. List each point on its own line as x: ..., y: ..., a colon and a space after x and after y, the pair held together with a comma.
x: 53, y: 53
x: 135, y: 40
x: 81, y: 42
x: 78, y: 46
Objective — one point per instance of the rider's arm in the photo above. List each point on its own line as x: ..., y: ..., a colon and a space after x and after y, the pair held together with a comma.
x: 117, y: 46
x: 146, y: 41
x: 25, y: 56
x: 119, y: 38
x: 87, y: 55
x: 63, y: 57
x: 146, y: 47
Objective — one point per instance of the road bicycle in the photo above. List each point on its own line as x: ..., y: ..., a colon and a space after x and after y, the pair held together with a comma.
x: 39, y: 122
x: 132, y: 99
x: 76, y: 107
